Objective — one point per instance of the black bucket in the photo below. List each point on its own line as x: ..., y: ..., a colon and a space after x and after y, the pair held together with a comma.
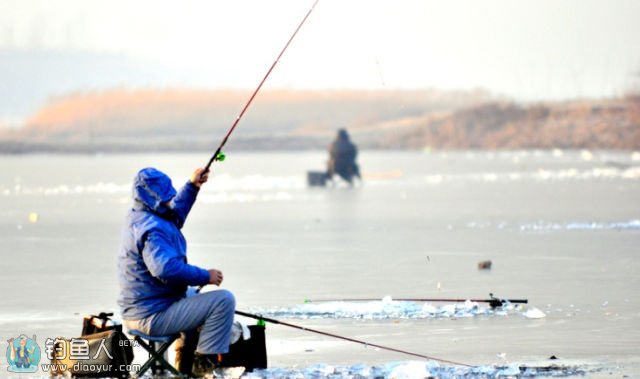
x: 316, y: 178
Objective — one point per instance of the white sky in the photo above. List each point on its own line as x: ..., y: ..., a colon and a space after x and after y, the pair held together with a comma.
x: 526, y: 49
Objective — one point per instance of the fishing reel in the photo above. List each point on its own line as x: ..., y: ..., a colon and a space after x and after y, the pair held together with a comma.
x: 495, y: 302
x: 220, y: 157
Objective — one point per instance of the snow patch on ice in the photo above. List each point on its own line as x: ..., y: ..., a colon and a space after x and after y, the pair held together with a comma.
x: 418, y: 369
x: 387, y: 309
x: 588, y: 226
x: 534, y: 313
x: 542, y: 226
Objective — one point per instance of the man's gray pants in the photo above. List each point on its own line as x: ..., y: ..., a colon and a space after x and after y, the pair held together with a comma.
x: 212, y: 311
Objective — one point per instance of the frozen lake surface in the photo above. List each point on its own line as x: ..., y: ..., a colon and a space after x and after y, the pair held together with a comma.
x: 561, y: 228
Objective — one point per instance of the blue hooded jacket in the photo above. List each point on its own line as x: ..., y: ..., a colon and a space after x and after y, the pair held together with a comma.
x: 152, y: 264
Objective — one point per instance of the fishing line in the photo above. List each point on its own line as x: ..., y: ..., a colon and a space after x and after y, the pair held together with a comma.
x: 218, y: 155
x: 365, y: 343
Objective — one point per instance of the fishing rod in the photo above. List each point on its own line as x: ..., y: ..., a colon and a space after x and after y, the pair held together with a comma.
x: 278, y: 322
x: 219, y: 155
x: 493, y: 301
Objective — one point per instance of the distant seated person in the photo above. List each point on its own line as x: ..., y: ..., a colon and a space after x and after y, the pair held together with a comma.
x: 342, y: 158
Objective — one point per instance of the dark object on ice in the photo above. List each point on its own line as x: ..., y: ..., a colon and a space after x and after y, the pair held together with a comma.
x: 484, y: 265
x: 342, y: 158
x: 250, y: 354
x: 92, y: 324
x: 497, y: 302
x: 553, y: 357
x: 317, y: 178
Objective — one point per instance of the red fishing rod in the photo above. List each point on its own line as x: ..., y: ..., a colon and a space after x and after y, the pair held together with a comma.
x: 218, y: 155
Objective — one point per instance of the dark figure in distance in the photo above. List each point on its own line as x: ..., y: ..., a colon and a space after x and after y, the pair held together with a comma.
x: 342, y: 158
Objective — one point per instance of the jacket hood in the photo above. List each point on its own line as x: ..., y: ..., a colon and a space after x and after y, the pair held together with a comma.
x: 342, y: 134
x: 153, y: 189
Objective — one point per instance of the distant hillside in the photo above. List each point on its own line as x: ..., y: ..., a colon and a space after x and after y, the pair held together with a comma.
x: 186, y: 120
x: 121, y: 120
x: 610, y: 124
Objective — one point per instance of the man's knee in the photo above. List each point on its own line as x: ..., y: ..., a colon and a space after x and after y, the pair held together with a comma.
x: 223, y: 299
x: 229, y: 299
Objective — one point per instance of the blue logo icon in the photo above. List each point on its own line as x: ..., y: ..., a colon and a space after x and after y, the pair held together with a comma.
x: 23, y: 354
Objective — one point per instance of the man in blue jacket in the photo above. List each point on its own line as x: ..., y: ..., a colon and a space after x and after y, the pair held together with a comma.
x: 154, y: 273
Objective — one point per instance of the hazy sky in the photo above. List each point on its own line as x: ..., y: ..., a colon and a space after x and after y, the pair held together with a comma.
x: 526, y: 49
